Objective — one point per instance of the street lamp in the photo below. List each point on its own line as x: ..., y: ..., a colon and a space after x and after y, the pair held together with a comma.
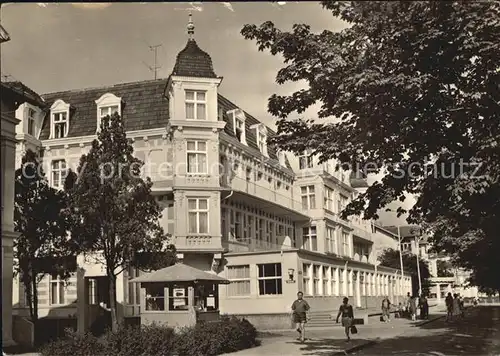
x: 416, y: 231
x: 400, y: 257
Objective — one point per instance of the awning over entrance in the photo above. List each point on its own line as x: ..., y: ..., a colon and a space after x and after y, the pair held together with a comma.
x: 180, y: 273
x: 268, y: 207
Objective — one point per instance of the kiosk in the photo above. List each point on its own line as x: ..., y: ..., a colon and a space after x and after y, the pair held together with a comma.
x: 179, y: 295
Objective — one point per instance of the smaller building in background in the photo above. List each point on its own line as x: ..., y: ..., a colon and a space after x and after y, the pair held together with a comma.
x: 453, y: 282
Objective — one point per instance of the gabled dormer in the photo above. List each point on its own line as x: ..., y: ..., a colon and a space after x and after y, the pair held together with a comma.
x: 261, y: 137
x: 31, y: 120
x: 238, y: 120
x: 59, y: 119
x: 306, y: 160
x: 281, y: 158
x: 107, y: 105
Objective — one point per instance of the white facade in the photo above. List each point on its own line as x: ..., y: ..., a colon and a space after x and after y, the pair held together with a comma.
x: 231, y: 203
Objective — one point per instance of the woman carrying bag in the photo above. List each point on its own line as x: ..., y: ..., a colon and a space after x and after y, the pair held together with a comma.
x: 347, y: 314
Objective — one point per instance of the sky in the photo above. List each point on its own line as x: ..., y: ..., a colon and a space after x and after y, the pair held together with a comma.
x: 57, y: 47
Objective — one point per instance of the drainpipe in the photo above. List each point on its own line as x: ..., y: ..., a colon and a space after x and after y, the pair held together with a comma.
x: 231, y: 193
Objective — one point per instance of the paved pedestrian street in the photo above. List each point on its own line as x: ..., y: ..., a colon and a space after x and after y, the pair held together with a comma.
x: 477, y: 334
x: 328, y: 341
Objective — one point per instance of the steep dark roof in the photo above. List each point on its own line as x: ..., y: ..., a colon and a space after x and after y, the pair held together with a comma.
x: 23, y: 91
x: 192, y: 61
x: 250, y: 136
x: 143, y: 107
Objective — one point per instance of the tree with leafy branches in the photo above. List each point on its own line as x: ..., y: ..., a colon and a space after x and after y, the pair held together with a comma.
x: 390, y: 258
x: 414, y: 86
x: 444, y: 268
x: 115, y: 217
x: 43, y: 247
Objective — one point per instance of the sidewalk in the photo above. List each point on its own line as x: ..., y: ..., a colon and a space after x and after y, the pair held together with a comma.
x: 331, y: 340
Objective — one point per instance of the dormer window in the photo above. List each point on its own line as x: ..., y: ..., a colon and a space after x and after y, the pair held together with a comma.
x: 196, y: 105
x: 31, y: 118
x: 107, y: 105
x: 305, y: 161
x: 108, y: 111
x: 59, y: 125
x: 261, y: 135
x: 239, y: 119
x: 282, y: 158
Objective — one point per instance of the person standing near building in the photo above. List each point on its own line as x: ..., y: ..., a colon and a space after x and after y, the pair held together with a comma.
x: 347, y: 314
x: 300, y: 309
x: 386, y: 307
x: 424, y: 307
x: 407, y: 304
x: 449, y: 307
x: 413, y: 308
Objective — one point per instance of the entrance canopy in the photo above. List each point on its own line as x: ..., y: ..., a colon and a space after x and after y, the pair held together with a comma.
x: 180, y: 273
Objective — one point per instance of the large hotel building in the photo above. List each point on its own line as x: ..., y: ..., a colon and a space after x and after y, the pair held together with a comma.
x: 268, y: 221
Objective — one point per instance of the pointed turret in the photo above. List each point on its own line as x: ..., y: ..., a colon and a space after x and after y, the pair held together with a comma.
x: 192, y: 61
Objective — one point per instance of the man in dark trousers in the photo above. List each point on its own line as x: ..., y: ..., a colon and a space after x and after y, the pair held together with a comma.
x: 300, y: 309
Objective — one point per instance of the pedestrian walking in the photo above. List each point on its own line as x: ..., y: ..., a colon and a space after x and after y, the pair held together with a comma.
x: 407, y: 305
x: 413, y: 308
x: 347, y: 314
x: 399, y: 311
x: 300, y: 310
x: 462, y: 306
x: 424, y: 307
x: 386, y: 307
x: 449, y: 307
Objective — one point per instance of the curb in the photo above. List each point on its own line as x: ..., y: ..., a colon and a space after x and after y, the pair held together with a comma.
x: 370, y: 343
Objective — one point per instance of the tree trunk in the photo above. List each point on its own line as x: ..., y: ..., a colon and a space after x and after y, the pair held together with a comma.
x: 112, y: 301
x: 34, y: 291
x: 29, y: 296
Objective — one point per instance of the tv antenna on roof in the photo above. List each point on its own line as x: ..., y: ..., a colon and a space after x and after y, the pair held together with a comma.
x: 155, y: 67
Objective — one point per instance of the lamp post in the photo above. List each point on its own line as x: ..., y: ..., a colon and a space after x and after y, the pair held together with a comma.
x: 401, y: 257
x: 416, y: 231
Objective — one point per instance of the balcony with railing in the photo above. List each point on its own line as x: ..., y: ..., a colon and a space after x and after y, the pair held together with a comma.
x: 256, y: 245
x: 271, y: 200
x: 197, y: 242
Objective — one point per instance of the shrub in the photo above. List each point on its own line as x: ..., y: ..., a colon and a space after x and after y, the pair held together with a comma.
x: 215, y: 338
x: 73, y: 344
x: 205, y: 339
x: 143, y: 340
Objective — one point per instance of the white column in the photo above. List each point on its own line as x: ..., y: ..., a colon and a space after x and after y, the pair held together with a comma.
x: 438, y: 292
x: 337, y: 277
x: 358, y: 288
x: 345, y: 287
x: 365, y: 280
x: 329, y: 287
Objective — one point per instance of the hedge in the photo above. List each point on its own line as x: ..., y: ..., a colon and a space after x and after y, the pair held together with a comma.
x: 204, y: 339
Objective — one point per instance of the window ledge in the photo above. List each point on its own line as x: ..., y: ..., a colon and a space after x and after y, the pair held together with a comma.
x: 270, y: 295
